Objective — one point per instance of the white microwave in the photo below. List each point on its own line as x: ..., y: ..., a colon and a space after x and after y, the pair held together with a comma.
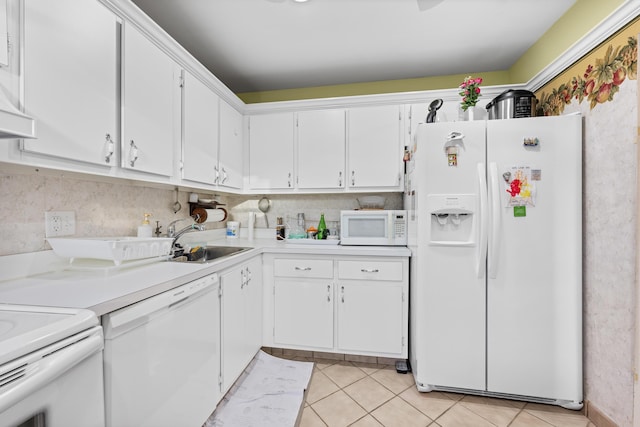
x: 373, y: 227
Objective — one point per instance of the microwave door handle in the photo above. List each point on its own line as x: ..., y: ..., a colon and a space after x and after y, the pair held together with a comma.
x: 390, y: 226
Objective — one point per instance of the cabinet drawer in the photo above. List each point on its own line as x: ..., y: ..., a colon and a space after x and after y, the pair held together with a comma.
x: 370, y: 270
x: 317, y: 268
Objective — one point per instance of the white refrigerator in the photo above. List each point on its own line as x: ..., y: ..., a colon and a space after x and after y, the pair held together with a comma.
x: 495, y: 230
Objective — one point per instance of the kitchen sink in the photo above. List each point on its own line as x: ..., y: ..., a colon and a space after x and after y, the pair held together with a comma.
x: 209, y: 253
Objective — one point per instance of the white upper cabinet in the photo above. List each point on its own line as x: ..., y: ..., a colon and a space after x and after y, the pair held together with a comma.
x: 200, y: 131
x: 149, y: 77
x: 321, y: 149
x: 374, y: 141
x: 230, y: 172
x: 70, y: 77
x: 271, y: 146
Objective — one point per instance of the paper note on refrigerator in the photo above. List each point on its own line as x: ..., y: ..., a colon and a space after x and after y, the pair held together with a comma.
x: 520, y: 188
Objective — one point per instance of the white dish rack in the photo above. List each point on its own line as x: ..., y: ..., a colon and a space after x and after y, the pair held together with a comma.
x: 115, y: 249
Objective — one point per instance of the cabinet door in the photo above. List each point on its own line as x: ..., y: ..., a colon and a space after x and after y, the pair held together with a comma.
x: 253, y: 307
x: 303, y: 313
x: 241, y: 318
x: 375, y: 147
x: 230, y: 162
x: 233, y: 325
x: 321, y: 149
x: 271, y: 151
x: 200, y: 127
x: 147, y: 103
x: 70, y: 76
x: 370, y: 317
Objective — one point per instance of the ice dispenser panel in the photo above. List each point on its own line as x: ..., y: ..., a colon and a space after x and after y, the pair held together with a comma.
x: 453, y: 219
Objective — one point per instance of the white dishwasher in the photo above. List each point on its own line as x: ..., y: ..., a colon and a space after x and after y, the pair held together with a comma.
x: 162, y: 360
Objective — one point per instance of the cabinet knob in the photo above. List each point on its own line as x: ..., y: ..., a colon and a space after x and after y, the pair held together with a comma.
x: 133, y: 154
x: 109, y: 148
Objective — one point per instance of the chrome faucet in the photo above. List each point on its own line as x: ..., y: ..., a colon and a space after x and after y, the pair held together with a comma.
x: 192, y: 227
x: 171, y: 228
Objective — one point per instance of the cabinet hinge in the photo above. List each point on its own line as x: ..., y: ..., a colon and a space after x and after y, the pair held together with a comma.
x: 220, y: 292
x: 181, y: 81
x: 220, y: 381
x: 403, y: 342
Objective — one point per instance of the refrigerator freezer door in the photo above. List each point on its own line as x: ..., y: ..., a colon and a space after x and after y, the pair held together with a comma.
x: 534, y: 309
x: 450, y: 295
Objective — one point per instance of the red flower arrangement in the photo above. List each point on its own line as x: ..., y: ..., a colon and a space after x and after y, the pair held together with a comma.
x: 470, y: 92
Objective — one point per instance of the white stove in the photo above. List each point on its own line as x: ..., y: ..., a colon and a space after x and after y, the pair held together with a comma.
x: 50, y: 367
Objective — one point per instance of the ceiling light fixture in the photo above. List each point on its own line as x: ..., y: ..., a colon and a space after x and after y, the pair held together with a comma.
x: 300, y: 1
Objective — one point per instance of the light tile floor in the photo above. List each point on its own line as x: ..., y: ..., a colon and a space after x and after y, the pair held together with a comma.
x: 344, y: 393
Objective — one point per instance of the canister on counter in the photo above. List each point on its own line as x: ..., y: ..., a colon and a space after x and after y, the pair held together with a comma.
x: 279, y: 229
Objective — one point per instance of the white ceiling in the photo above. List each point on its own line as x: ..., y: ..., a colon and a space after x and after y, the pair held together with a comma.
x: 259, y: 45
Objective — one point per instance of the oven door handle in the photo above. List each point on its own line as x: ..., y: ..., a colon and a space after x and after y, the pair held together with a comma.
x: 47, y: 365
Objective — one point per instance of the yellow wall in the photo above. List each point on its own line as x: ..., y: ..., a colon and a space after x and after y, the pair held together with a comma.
x: 579, y: 20
x: 572, y: 26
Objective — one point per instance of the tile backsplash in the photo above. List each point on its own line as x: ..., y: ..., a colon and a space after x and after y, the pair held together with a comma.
x: 114, y: 208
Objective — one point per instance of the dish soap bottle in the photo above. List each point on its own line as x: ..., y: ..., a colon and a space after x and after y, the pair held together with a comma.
x: 322, y: 228
x: 144, y: 230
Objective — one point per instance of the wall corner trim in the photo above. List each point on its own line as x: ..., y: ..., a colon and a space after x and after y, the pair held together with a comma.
x: 605, y: 29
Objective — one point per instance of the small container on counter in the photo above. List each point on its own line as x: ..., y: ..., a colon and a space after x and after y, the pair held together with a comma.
x: 145, y: 230
x: 280, y: 229
x: 233, y: 229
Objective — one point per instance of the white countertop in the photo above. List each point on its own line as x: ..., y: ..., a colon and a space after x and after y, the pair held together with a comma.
x: 104, y: 291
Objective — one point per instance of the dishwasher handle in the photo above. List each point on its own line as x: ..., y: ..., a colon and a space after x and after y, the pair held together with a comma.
x: 136, y: 314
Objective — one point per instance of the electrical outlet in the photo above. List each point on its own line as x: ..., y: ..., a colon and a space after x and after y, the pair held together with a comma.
x: 59, y: 223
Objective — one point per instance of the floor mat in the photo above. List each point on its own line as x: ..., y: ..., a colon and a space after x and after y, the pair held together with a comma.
x: 269, y: 393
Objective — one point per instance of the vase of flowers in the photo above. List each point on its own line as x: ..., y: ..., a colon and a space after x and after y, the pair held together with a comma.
x: 469, y: 90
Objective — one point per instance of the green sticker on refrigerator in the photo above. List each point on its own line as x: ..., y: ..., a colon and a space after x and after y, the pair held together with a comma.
x: 519, y: 211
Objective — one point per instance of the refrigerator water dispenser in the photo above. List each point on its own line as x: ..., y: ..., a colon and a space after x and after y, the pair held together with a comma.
x: 453, y: 219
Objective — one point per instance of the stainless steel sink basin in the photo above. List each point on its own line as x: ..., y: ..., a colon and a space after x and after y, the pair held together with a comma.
x: 210, y: 253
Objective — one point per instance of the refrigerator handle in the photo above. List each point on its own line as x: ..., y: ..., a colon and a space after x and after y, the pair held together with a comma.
x: 481, y: 252
x: 494, y: 241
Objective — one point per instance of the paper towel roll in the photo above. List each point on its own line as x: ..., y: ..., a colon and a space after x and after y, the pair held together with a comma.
x: 210, y: 215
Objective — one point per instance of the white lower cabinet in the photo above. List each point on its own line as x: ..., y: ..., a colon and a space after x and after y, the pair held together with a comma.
x: 370, y: 317
x: 351, y: 305
x: 303, y: 303
x: 241, y: 318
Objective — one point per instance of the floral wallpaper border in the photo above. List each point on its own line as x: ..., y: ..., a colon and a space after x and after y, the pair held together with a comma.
x: 595, y: 78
